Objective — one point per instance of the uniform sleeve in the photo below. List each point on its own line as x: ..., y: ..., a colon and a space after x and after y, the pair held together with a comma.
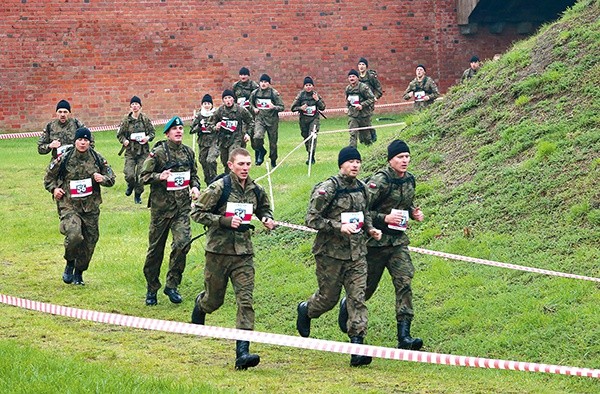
x: 150, y: 130
x: 252, y: 99
x: 369, y: 98
x: 319, y: 202
x: 277, y: 102
x: 410, y: 88
x: 122, y: 132
x: 376, y: 187
x: 377, y: 90
x: 108, y: 173
x: 44, y: 141
x: 149, y: 174
x: 296, y: 104
x: 194, y: 180
x: 202, y: 210
x: 263, y: 207
x: 320, y: 103
x: 248, y: 120
x: 196, y: 124
x: 51, y: 177
x: 435, y: 93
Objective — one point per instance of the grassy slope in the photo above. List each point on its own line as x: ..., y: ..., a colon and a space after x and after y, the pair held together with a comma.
x: 512, y: 156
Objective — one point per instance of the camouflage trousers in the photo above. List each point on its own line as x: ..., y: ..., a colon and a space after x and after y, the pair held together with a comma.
x: 81, y: 235
x: 307, y: 124
x: 218, y: 270
x: 133, y: 171
x: 260, y: 129
x: 364, y: 136
x: 225, y: 150
x: 207, y: 156
x: 332, y: 274
x: 398, y: 263
x: 160, y: 225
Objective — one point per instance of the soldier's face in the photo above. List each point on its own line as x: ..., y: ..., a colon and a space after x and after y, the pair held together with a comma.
x: 352, y: 79
x: 228, y: 101
x: 82, y: 144
x: 207, y: 106
x: 351, y: 168
x: 264, y: 84
x: 308, y: 87
x: 420, y: 72
x: 244, y: 78
x: 175, y: 134
x: 62, y: 115
x: 135, y: 107
x: 400, y: 163
x: 240, y: 166
x: 475, y: 65
x: 362, y: 67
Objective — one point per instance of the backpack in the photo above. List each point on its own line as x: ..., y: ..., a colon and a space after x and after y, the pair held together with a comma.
x: 391, y: 182
x: 338, y: 191
x: 225, y: 197
x: 172, y: 164
x: 67, y: 156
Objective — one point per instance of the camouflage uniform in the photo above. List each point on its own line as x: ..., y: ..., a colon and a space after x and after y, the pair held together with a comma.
x: 135, y: 153
x: 237, y: 121
x: 340, y: 258
x: 426, y: 85
x: 267, y: 120
x: 370, y: 79
x: 170, y: 210
x: 391, y: 252
x: 229, y: 253
x: 64, y: 132
x: 308, y: 120
x: 208, y: 150
x: 78, y: 215
x: 243, y: 91
x: 468, y: 74
x: 360, y: 118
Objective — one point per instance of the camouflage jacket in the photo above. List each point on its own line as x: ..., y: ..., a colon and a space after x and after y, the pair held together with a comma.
x: 221, y: 238
x: 388, y: 191
x: 468, y: 74
x: 324, y: 214
x: 73, y: 166
x: 178, y: 158
x: 307, y: 98
x: 130, y: 125
x: 426, y: 85
x: 64, y: 132
x: 371, y: 80
x: 365, y: 98
x: 234, y: 117
x: 267, y: 117
x: 201, y: 126
x: 243, y: 90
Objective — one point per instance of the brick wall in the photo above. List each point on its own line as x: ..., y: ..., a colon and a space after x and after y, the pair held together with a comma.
x: 97, y: 54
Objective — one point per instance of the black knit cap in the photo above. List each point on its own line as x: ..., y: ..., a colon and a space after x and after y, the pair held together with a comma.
x: 474, y: 59
x: 63, y: 104
x: 363, y: 60
x: 265, y: 77
x: 83, y: 132
x: 135, y: 99
x: 228, y: 92
x: 244, y: 71
x: 308, y: 80
x: 422, y: 66
x: 353, y: 72
x: 207, y: 99
x: 396, y: 147
x: 348, y: 153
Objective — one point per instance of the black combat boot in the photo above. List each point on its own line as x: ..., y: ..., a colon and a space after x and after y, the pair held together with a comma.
x: 273, y: 163
x: 243, y: 358
x: 355, y: 359
x: 151, y: 299
x: 173, y: 294
x: 137, y: 198
x: 78, y: 278
x: 303, y: 321
x: 260, y: 156
x: 68, y: 274
x: 373, y: 135
x: 405, y: 341
x: 198, y: 315
x: 343, y: 316
x: 129, y: 190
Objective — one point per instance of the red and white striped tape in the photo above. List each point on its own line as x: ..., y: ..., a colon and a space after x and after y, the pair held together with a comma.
x: 9, y: 136
x: 467, y: 258
x: 294, y: 341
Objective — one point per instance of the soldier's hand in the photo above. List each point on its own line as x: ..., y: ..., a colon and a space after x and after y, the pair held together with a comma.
x: 256, y: 110
x: 195, y: 193
x: 315, y: 96
x: 418, y: 214
x: 236, y: 221
x: 58, y: 193
x: 375, y: 234
x: 54, y: 144
x: 98, y: 177
x: 143, y: 140
x: 359, y: 107
x: 126, y: 143
x: 246, y: 137
x: 349, y: 228
x: 303, y: 107
x: 268, y: 223
x: 393, y: 218
x: 164, y: 175
x: 426, y: 98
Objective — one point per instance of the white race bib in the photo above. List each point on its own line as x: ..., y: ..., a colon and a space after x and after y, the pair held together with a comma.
x: 241, y: 210
x: 262, y: 103
x: 81, y: 188
x: 229, y: 125
x: 310, y: 110
x: 420, y: 95
x: 353, y: 217
x: 137, y: 136
x: 178, y: 180
x: 403, y: 222
x: 61, y: 149
x: 353, y: 99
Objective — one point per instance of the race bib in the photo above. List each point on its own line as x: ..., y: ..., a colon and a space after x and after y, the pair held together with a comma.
x: 353, y: 217
x: 263, y: 103
x: 420, y: 95
x: 61, y: 149
x: 229, y: 125
x: 403, y: 224
x: 137, y: 136
x: 243, y: 102
x: 241, y: 210
x: 178, y: 180
x: 310, y: 110
x: 353, y: 99
x: 81, y: 188
x: 203, y: 128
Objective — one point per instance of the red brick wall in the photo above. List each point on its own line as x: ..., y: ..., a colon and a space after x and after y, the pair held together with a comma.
x: 97, y: 54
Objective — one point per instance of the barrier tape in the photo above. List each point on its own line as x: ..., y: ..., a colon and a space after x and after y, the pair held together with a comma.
x: 467, y: 258
x: 294, y: 341
x: 8, y: 136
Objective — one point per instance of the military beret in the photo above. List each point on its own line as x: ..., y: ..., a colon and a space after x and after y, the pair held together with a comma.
x: 175, y: 121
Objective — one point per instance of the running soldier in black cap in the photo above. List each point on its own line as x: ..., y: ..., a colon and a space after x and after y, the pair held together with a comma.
x: 171, y: 172
x: 422, y: 89
x: 243, y: 88
x: 208, y: 150
x: 59, y: 134
x: 134, y: 133
x: 74, y: 179
x: 308, y: 104
x: 472, y: 70
x: 360, y: 103
x: 338, y: 209
x: 369, y: 78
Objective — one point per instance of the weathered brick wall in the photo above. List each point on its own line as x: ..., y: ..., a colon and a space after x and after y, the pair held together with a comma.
x: 97, y: 54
